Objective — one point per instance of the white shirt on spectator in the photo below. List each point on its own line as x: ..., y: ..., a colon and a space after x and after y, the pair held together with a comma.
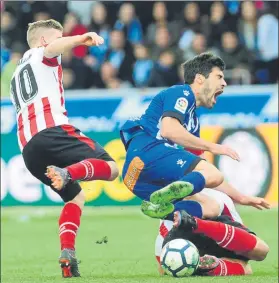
x: 82, y: 9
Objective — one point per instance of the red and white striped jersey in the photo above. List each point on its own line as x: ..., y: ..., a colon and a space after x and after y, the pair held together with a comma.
x: 37, y: 94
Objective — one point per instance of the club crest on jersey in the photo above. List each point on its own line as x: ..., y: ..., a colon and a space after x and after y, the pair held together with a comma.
x: 181, y: 105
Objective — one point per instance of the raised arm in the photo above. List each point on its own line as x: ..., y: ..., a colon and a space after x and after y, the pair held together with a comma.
x: 60, y: 45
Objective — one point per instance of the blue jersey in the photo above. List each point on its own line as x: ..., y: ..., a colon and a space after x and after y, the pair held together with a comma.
x: 177, y: 101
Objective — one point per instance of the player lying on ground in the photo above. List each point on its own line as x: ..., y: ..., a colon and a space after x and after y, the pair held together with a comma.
x: 225, y: 244
x: 46, y: 138
x: 153, y: 158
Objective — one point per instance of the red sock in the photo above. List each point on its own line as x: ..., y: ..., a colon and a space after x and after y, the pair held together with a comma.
x: 69, y: 222
x: 90, y: 169
x: 227, y: 268
x: 227, y: 236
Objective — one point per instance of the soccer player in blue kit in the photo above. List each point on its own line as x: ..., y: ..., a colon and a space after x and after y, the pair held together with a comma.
x: 157, y: 168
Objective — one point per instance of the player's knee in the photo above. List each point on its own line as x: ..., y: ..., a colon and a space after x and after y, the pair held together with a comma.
x: 218, y: 178
x: 261, y: 250
x: 213, y: 176
x: 259, y: 253
x: 114, y: 170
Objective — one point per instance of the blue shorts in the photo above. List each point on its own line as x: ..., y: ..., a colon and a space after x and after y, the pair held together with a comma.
x: 152, y: 164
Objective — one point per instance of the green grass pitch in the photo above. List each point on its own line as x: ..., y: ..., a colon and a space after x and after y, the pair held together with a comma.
x: 30, y: 246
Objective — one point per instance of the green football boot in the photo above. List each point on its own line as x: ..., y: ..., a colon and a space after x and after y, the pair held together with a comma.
x: 69, y: 264
x: 173, y: 191
x: 156, y: 210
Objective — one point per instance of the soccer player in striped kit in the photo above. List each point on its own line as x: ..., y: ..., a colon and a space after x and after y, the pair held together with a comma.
x: 225, y: 244
x: 55, y: 152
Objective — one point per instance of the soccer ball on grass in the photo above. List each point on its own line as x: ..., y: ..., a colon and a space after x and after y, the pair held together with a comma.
x: 179, y: 258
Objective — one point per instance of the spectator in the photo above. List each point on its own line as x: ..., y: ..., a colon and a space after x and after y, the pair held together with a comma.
x: 232, y: 6
x: 128, y: 23
x: 82, y: 74
x: 180, y: 73
x: 5, y: 56
x: 164, y: 31
x: 72, y: 26
x: 198, y: 46
x: 160, y: 17
x: 81, y: 9
x: 108, y: 73
x: 17, y: 52
x: 41, y: 16
x: 108, y: 78
x: 217, y: 24
x: 268, y: 48
x: 120, y: 55
x: 236, y: 56
x: 99, y: 25
x: 191, y: 17
x: 57, y: 9
x: 142, y: 66
x: 9, y: 31
x: 247, y: 26
x: 163, y: 43
x: 69, y: 78
x: 2, y: 6
x: 164, y: 72
x: 190, y: 25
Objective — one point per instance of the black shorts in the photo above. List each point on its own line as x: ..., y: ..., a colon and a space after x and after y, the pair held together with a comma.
x: 60, y: 146
x: 206, y: 245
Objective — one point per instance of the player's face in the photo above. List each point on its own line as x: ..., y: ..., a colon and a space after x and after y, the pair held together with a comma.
x: 213, y: 86
x: 49, y: 35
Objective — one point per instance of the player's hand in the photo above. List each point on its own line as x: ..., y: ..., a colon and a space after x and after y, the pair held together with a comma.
x: 224, y: 150
x: 256, y: 202
x: 91, y: 39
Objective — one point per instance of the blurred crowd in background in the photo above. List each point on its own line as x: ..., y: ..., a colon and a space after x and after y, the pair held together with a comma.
x: 146, y: 41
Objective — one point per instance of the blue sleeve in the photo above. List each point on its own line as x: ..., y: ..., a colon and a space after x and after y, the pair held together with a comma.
x: 176, y: 104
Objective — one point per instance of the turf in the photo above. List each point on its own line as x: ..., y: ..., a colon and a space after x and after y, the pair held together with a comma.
x: 30, y: 247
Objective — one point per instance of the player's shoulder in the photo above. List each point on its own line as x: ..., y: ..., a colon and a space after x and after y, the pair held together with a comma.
x: 35, y: 51
x: 31, y: 54
x: 178, y: 91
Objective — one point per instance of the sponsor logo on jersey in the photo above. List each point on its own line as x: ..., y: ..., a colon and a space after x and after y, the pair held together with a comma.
x: 181, y: 105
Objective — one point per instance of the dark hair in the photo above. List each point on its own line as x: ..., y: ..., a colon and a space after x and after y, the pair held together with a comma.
x: 201, y: 64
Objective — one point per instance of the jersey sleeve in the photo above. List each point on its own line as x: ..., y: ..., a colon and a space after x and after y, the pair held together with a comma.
x: 175, y: 104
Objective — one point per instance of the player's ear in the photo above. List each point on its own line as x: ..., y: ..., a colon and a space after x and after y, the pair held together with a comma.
x: 43, y: 41
x: 199, y: 78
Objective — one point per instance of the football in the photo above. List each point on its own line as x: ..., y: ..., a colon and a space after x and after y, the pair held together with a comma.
x: 179, y: 258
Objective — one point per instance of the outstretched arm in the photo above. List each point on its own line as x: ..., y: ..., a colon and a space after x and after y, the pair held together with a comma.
x: 60, y: 45
x: 172, y: 129
x: 240, y: 198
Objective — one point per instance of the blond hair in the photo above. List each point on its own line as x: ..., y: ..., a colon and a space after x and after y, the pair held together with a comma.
x: 33, y: 27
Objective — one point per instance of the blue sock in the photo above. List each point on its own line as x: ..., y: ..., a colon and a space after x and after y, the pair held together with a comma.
x: 191, y: 207
x: 196, y: 179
